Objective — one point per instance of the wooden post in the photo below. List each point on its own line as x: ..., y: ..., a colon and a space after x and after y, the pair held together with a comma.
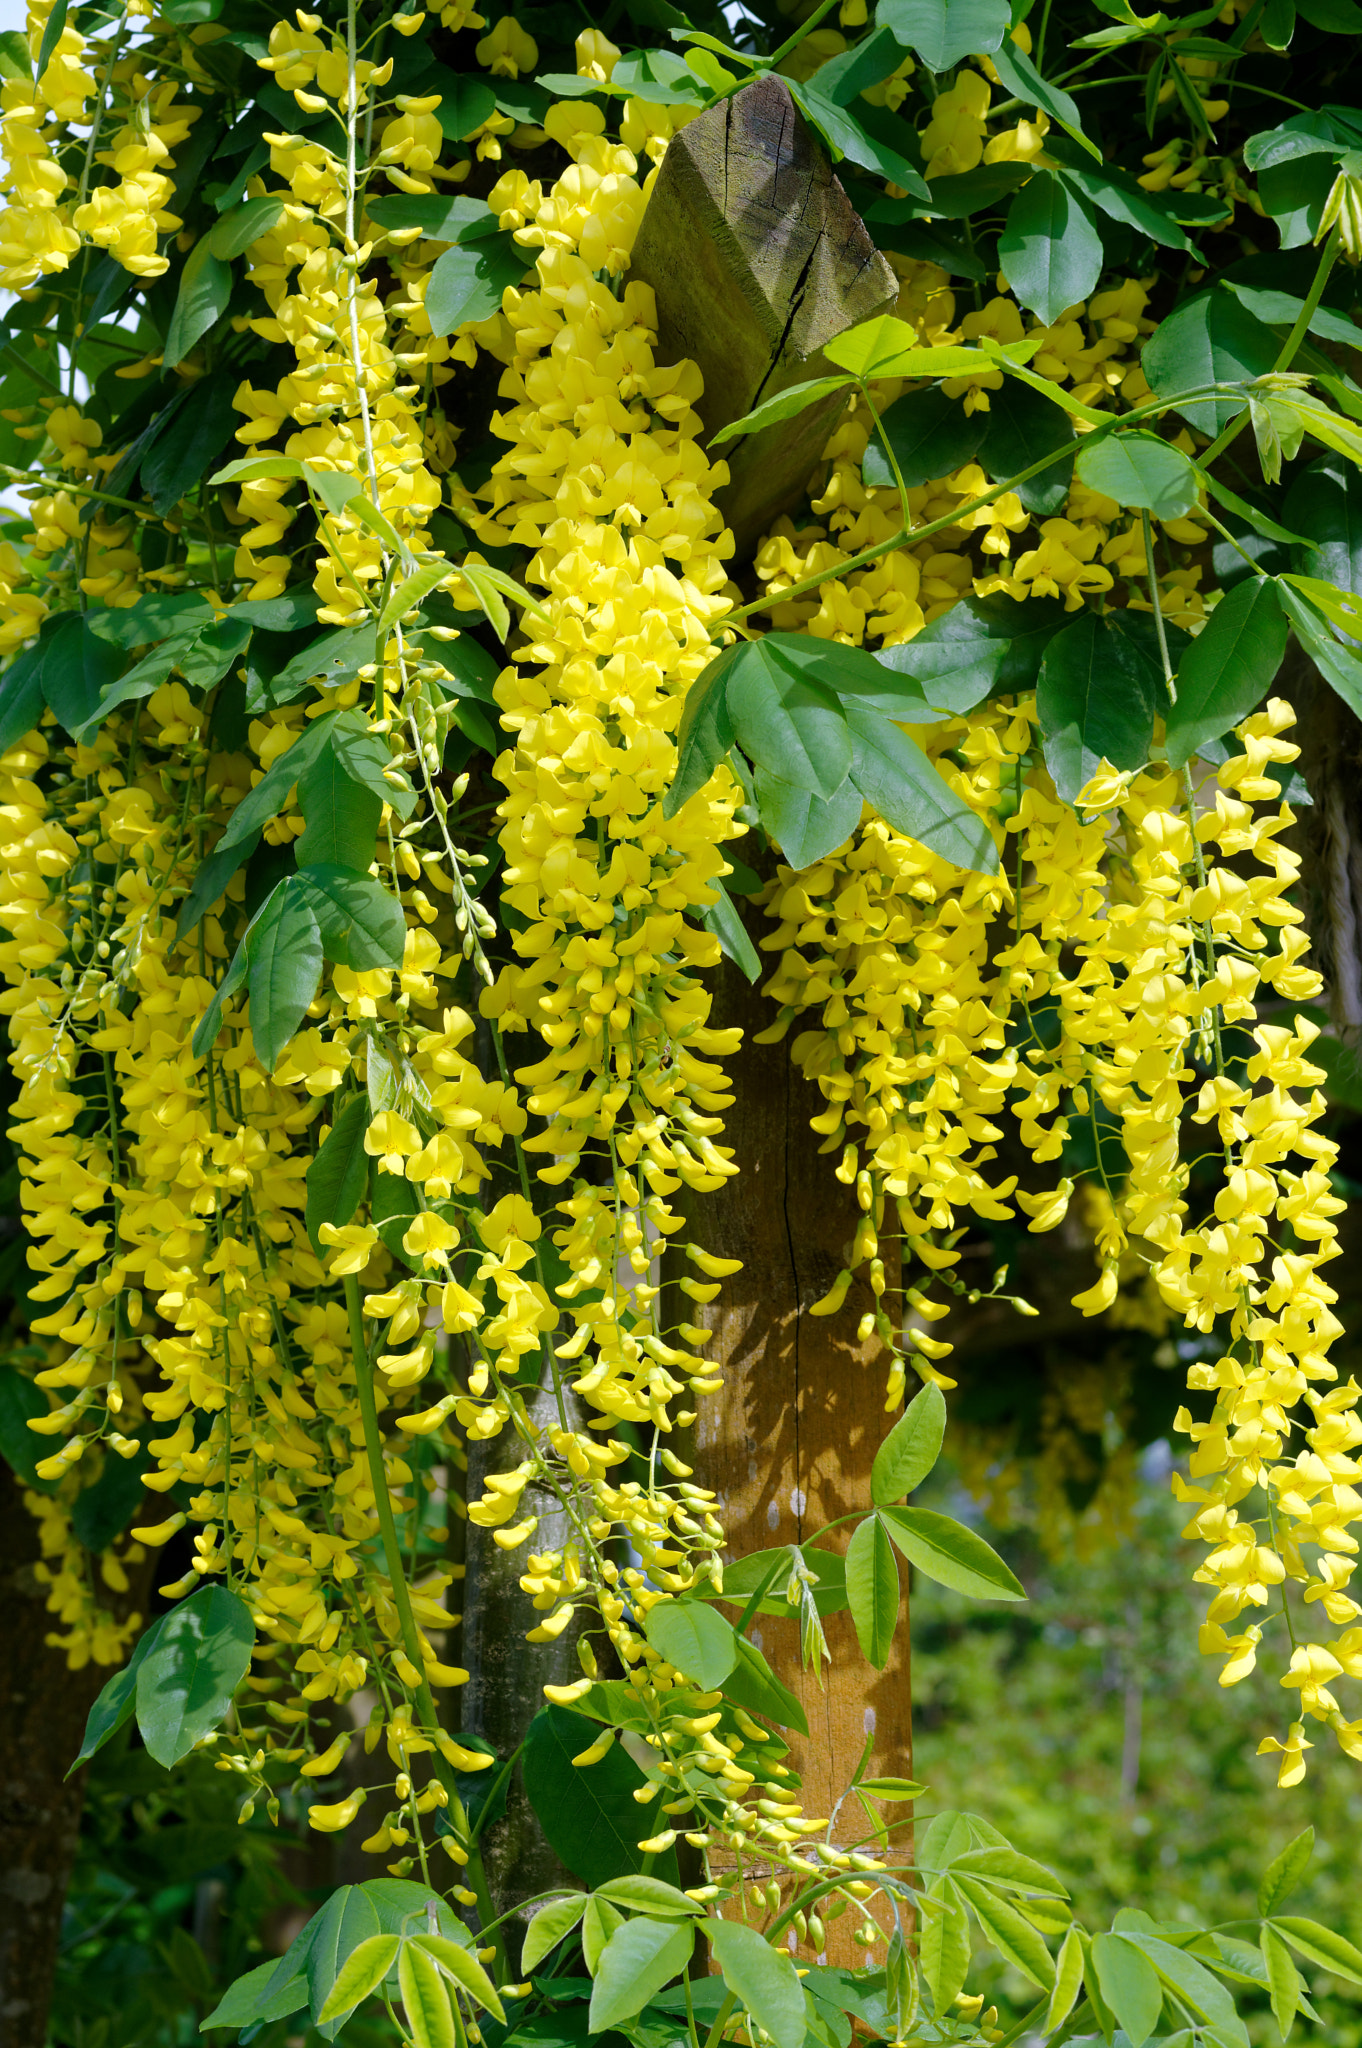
x: 788, y: 1444
x: 757, y: 260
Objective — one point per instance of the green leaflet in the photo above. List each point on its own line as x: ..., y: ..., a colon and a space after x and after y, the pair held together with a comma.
x: 1285, y: 1872
x: 930, y: 435
x: 188, y: 1677
x: 1228, y: 668
x: 1210, y: 339
x: 1142, y: 472
x: 590, y: 1817
x: 1050, y: 248
x: 911, y: 1448
x: 951, y: 1554
x: 205, y: 289
x: 339, y: 1172
x: 941, y: 32
x: 763, y: 1980
x: 1097, y: 698
x: 752, y: 1684
x: 1022, y: 426
x: 873, y: 1592
x: 1129, y: 1985
x: 638, y: 1960
x: 690, y: 1635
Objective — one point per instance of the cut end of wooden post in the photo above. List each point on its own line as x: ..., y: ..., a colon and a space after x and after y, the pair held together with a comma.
x: 757, y: 259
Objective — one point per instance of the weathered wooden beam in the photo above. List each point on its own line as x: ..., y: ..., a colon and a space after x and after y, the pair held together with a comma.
x: 757, y: 260
x: 789, y: 1441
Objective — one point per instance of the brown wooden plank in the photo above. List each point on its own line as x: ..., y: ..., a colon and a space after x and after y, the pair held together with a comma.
x: 757, y: 260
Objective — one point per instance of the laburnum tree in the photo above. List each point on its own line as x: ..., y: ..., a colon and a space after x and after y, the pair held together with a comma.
x: 518, y: 663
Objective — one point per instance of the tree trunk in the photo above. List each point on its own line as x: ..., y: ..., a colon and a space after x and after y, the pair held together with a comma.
x: 788, y: 1444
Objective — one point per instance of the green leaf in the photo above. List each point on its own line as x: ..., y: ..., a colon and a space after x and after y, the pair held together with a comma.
x: 284, y: 952
x: 1228, y: 668
x: 361, y: 1973
x: 873, y: 1590
x: 410, y: 592
x: 439, y: 219
x: 189, y: 1677
x: 210, y: 1024
x: 599, y: 1922
x: 249, y: 469
x: 1320, y: 1945
x: 250, y: 817
x: 911, y: 1448
x: 763, y: 1980
x: 236, y: 230
x: 1096, y: 699
x: 873, y: 137
x: 1285, y: 1872
x: 1253, y: 515
x: 806, y: 827
x: 752, y: 1684
x: 467, y: 284
x: 981, y: 646
x: 1001, y: 1864
x: 1324, y: 506
x: 244, y: 2003
x: 339, y: 1173
x: 1050, y: 249
x: 330, y: 660
x: 330, y: 1937
x: 189, y: 445
x: 1211, y: 339
x: 1283, y: 1979
x: 118, y: 1697
x: 78, y: 668
x: 590, y: 1818
x: 639, y: 1958
x: 550, y: 1925
x: 361, y: 922
x: 944, y: 31
x: 891, y: 1788
x: 981, y: 190
x: 913, y: 796
x: 492, y: 587
x: 705, y: 735
x: 425, y: 2001
x: 52, y: 34
x: 340, y: 815
x: 335, y: 487
x: 886, y: 347
x: 1022, y: 426
x: 1015, y: 1939
x: 649, y: 1895
x: 205, y: 289
x: 1115, y: 193
x: 944, y: 1945
x: 722, y: 919
x: 1141, y: 472
x: 21, y: 689
x: 795, y: 398
x: 1068, y: 1978
x: 690, y: 1635
x: 1129, y: 1985
x: 951, y: 1554
x: 458, y: 1962
x: 1020, y: 77
x: 931, y: 436
x: 21, y: 1447
x: 786, y: 721
x: 142, y: 679
x: 1204, y: 1994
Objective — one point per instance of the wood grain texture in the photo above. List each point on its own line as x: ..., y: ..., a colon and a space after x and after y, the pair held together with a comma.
x: 788, y: 1444
x: 757, y: 260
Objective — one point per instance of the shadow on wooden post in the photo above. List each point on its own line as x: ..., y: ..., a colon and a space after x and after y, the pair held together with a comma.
x: 788, y: 1443
x: 757, y: 260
